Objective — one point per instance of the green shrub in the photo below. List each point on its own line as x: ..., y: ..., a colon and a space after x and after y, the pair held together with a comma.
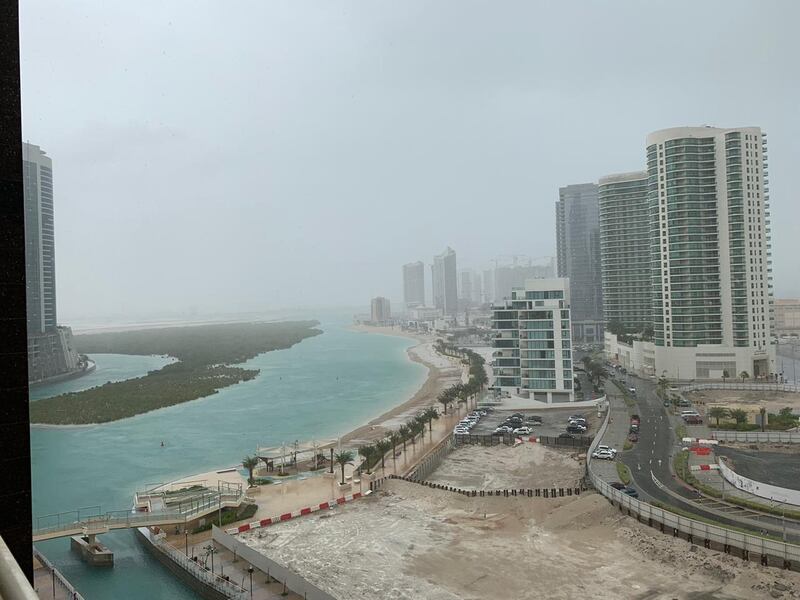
x: 245, y: 511
x: 624, y: 473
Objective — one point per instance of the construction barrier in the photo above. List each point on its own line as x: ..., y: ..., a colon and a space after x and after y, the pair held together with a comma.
x: 297, y: 513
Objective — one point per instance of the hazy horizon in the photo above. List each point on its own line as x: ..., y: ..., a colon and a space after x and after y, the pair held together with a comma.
x: 245, y: 157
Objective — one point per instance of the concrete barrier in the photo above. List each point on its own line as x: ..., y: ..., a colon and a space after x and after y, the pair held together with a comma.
x: 757, y: 488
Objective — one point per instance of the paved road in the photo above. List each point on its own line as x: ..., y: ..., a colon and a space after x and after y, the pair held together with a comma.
x: 653, y: 453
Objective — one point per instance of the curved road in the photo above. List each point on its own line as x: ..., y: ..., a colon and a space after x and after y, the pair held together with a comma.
x: 654, y: 451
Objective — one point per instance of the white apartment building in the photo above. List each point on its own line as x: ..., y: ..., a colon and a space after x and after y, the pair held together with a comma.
x: 533, y: 342
x: 709, y: 247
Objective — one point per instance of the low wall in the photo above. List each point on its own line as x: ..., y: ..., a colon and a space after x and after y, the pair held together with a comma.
x: 505, y: 493
x: 757, y: 437
x: 732, y: 385
x: 757, y: 488
x: 293, y: 581
x: 429, y: 463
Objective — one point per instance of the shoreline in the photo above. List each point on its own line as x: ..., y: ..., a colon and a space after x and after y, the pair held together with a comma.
x: 439, y: 377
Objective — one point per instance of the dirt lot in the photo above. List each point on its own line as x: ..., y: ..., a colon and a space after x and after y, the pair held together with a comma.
x: 505, y: 467
x: 408, y: 541
x: 773, y: 401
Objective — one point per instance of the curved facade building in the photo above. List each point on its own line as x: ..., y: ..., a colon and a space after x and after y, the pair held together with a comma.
x: 710, y: 265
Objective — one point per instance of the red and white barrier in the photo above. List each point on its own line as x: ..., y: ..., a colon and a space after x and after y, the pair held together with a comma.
x: 688, y: 440
x: 704, y: 467
x: 297, y: 513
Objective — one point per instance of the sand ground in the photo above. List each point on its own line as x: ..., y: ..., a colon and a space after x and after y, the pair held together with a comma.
x: 772, y: 401
x: 409, y: 541
x: 509, y: 467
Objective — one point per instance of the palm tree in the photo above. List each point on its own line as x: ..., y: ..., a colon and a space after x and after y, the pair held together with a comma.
x: 725, y: 375
x: 417, y: 428
x: 744, y: 375
x: 445, y: 398
x: 430, y: 414
x: 718, y: 412
x: 394, y: 439
x: 739, y: 415
x: 250, y: 463
x: 345, y: 457
x: 404, y: 432
x: 763, y: 412
x: 366, y: 451
x: 383, y: 446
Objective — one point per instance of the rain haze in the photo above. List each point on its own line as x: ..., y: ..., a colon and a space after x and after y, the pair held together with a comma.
x: 244, y: 156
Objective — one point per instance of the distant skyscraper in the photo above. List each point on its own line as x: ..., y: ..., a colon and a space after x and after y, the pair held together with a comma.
x: 40, y: 260
x: 467, y: 282
x: 414, y: 284
x: 507, y: 278
x: 710, y: 252
x: 445, y: 282
x: 488, y: 285
x: 51, y: 351
x: 625, y: 251
x: 380, y: 310
x: 578, y: 257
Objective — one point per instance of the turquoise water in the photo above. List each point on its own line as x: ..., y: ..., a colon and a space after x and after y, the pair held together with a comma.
x: 320, y: 388
x: 110, y: 367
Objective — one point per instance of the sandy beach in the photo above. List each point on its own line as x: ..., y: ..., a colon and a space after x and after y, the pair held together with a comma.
x: 442, y: 373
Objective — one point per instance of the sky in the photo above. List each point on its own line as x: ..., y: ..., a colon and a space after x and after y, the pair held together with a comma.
x: 238, y: 156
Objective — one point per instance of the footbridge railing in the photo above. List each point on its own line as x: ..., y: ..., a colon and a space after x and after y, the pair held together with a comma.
x: 75, y: 523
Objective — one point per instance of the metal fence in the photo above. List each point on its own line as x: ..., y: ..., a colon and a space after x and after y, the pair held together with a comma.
x: 227, y: 588
x: 58, y: 579
x: 292, y: 580
x: 760, y: 387
x: 508, y: 439
x: 505, y: 493
x: 757, y: 437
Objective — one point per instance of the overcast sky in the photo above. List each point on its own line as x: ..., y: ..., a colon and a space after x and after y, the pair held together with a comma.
x: 226, y: 156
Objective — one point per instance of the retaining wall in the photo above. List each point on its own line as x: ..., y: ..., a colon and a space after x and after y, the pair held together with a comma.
x: 293, y: 581
x: 757, y: 488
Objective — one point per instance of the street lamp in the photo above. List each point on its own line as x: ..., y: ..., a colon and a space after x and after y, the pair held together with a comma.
x: 186, y: 539
x: 250, y: 571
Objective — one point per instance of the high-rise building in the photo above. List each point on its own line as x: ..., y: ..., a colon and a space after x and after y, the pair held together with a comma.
x: 488, y: 286
x: 380, y: 310
x: 625, y: 252
x: 787, y: 316
x: 507, y: 278
x: 710, y: 252
x: 414, y: 284
x: 51, y: 352
x: 445, y: 282
x: 40, y: 260
x: 533, y: 341
x: 578, y: 257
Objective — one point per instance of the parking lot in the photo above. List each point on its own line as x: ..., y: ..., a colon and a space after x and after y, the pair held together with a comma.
x: 554, y: 421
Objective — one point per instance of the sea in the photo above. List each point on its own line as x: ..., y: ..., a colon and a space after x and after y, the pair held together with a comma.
x: 321, y: 388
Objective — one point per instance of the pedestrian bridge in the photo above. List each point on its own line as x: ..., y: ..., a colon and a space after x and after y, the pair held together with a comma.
x: 67, y: 524
x: 153, y: 508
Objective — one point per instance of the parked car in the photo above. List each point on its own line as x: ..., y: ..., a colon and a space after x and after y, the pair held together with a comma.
x: 607, y: 449
x: 534, y: 418
x: 632, y: 390
x: 667, y: 403
x: 603, y: 454
x: 576, y: 429
x: 631, y: 492
x: 523, y: 431
x: 633, y: 437
x: 566, y: 435
x: 693, y: 420
x: 503, y: 429
x: 617, y: 485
